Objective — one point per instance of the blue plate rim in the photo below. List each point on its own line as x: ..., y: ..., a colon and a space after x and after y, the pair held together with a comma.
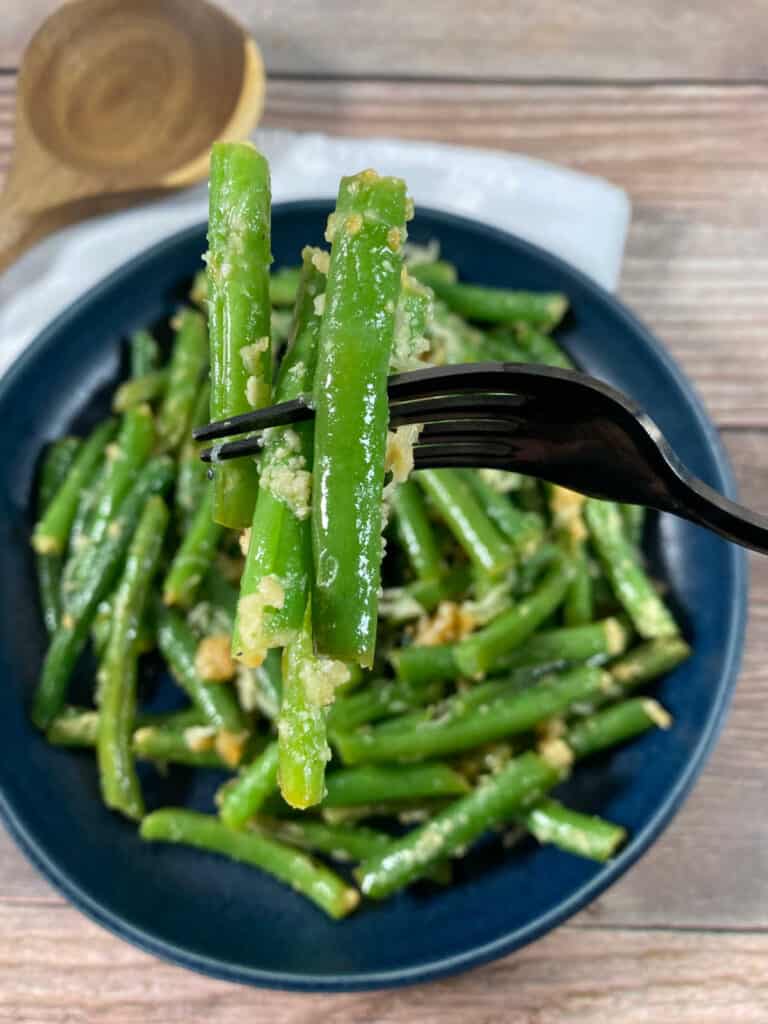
x: 586, y: 893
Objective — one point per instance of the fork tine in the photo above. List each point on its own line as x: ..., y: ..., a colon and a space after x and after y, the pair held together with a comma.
x: 232, y: 449
x: 502, y: 408
x: 460, y: 456
x: 417, y: 396
x: 280, y: 415
x: 479, y: 430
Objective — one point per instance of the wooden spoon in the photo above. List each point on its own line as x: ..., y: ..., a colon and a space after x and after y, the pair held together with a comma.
x: 120, y: 99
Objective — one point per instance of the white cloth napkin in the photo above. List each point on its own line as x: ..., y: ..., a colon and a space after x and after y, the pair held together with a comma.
x: 579, y: 217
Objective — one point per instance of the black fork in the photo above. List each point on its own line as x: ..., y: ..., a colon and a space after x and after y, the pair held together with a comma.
x: 558, y: 425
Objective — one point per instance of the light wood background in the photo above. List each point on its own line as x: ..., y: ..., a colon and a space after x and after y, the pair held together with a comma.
x: 669, y: 99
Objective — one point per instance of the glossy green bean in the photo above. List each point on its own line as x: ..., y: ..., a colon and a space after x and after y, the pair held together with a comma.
x: 522, y: 781
x: 495, y: 305
x: 120, y: 787
x: 124, y: 459
x: 283, y: 286
x: 238, y: 309
x: 276, y: 579
x: 52, y: 529
x: 308, y: 877
x: 415, y: 533
x: 72, y: 633
x: 145, y: 354
x: 375, y: 783
x: 178, y: 645
x: 525, y: 530
x: 192, y: 479
x: 615, y: 724
x: 632, y: 587
x: 195, y: 556
x: 139, y: 390
x: 188, y: 361
x: 301, y: 726
x: 242, y: 798
x: 585, y: 835
x: 487, y: 646
x: 506, y: 715
x: 380, y: 699
x: 467, y: 520
x: 367, y: 232
x: 56, y: 464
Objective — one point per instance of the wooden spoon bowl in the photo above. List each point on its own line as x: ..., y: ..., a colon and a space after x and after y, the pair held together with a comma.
x: 120, y: 98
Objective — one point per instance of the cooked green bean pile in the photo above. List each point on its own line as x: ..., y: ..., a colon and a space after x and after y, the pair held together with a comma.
x: 363, y: 648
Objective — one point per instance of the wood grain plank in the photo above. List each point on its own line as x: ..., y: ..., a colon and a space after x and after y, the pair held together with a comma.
x: 693, y: 159
x: 68, y: 970
x: 584, y: 39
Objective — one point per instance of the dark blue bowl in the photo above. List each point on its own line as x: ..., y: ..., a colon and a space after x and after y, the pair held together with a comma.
x: 230, y: 921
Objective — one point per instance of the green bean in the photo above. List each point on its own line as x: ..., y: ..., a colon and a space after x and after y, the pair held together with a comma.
x: 367, y: 232
x: 276, y: 578
x: 582, y: 834
x: 340, y: 842
x: 198, y: 293
x: 52, y: 529
x: 479, y: 695
x: 525, y: 530
x: 139, y: 390
x: 531, y: 570
x: 120, y: 787
x: 241, y: 798
x: 178, y: 645
x: 501, y: 348
x: 596, y: 641
x: 633, y: 517
x: 145, y: 354
x: 578, y: 606
x: 632, y: 587
x: 415, y: 533
x: 369, y: 784
x: 540, y: 348
x: 79, y: 727
x: 72, y: 634
x: 381, y: 699
x: 283, y: 285
x: 268, y: 682
x: 615, y: 724
x: 56, y: 464
x: 648, y: 661
x: 452, y: 340
x: 412, y: 316
x: 520, y: 783
x: 433, y: 270
x: 194, y: 557
x: 308, y: 683
x: 495, y: 305
x: 238, y: 309
x: 507, y: 715
x: 188, y: 361
x: 318, y: 883
x: 414, y: 599
x: 482, y: 649
x: 157, y: 737
x: 467, y: 520
x: 172, y: 746
x: 124, y: 459
x: 417, y: 664
x: 192, y: 480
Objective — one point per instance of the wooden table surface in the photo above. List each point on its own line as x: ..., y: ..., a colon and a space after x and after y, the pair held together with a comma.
x: 670, y: 101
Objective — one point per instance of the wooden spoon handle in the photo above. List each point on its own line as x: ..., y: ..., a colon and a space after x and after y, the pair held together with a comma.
x: 18, y: 229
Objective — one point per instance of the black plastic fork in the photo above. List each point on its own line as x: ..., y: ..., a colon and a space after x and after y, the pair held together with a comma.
x: 559, y: 425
